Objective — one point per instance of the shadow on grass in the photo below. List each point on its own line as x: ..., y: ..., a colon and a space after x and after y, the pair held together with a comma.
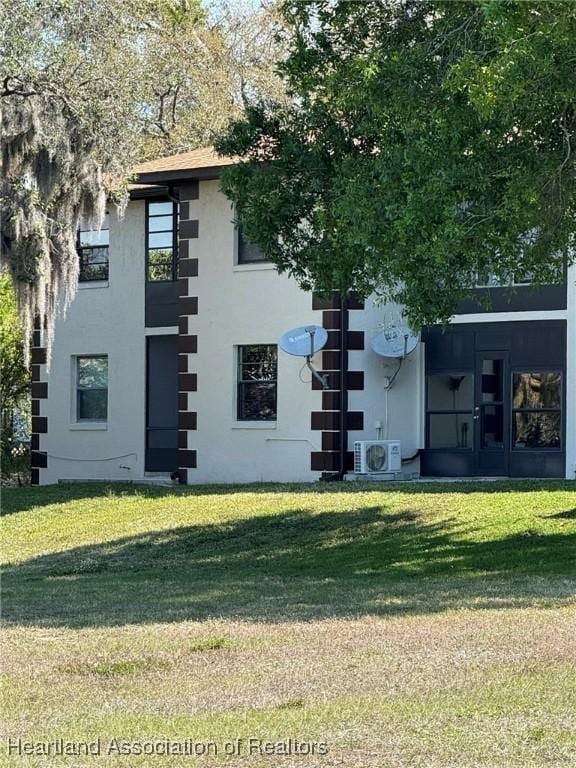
x: 24, y: 499
x: 297, y: 565
x: 566, y: 514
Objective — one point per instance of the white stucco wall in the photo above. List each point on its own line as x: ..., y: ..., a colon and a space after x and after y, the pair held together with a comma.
x: 402, y: 417
x: 245, y: 304
x: 103, y: 319
x: 238, y: 304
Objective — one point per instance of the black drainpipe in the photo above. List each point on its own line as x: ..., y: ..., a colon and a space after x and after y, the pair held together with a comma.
x: 343, y: 382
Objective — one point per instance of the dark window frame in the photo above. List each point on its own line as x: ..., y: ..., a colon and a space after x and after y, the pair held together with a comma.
x: 560, y: 410
x: 512, y: 282
x: 246, y: 262
x: 78, y: 389
x: 451, y: 412
x: 243, y: 384
x: 175, y: 217
x: 515, y: 281
x: 81, y: 249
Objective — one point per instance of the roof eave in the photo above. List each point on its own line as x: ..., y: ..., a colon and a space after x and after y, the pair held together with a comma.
x: 169, y: 177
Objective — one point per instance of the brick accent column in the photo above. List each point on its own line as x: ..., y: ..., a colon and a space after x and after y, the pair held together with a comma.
x: 187, y: 336
x: 329, y: 419
x: 38, y: 458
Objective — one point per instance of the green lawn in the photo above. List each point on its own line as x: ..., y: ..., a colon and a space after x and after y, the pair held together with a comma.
x: 403, y: 625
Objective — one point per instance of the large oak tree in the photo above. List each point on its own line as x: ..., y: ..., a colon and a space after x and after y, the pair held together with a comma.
x: 89, y: 87
x: 426, y: 141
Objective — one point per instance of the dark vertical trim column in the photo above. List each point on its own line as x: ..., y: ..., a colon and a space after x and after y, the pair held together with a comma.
x: 38, y: 458
x: 343, y: 385
x: 335, y: 418
x: 187, y: 339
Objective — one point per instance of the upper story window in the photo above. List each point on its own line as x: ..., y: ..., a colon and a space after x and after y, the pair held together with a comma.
x: 92, y: 388
x: 248, y: 253
x: 93, y: 247
x: 554, y: 275
x: 161, y: 240
x: 257, y: 382
x: 489, y: 280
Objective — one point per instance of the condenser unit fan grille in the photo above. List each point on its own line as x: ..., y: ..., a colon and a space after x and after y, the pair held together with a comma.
x: 376, y: 458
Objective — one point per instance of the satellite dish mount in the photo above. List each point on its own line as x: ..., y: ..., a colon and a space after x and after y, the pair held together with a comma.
x: 305, y: 341
x: 311, y: 329
x: 394, y: 342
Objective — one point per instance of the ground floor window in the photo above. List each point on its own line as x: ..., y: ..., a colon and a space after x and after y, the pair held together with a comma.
x: 537, y: 415
x: 534, y: 409
x: 92, y: 388
x: 257, y: 382
x: 450, y: 399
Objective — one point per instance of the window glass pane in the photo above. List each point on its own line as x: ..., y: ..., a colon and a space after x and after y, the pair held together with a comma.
x: 160, y: 209
x: 161, y: 224
x: 492, y: 381
x: 257, y: 401
x: 160, y: 265
x: 450, y: 392
x: 492, y: 424
x: 93, y: 404
x: 95, y: 237
x: 537, y: 390
x: 160, y: 239
x: 490, y: 280
x: 89, y: 236
x: 523, y: 278
x: 93, y: 264
x: 248, y: 252
x: 537, y: 430
x: 94, y: 255
x: 257, y: 373
x: 92, y: 373
x: 450, y: 430
x: 258, y: 363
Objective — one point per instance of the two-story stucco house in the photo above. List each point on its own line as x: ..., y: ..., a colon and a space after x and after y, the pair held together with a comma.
x: 168, y: 363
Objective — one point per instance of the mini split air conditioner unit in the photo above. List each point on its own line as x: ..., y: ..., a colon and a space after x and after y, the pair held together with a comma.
x: 374, y: 456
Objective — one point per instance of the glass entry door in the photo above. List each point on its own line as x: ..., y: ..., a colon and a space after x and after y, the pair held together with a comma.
x: 492, y: 413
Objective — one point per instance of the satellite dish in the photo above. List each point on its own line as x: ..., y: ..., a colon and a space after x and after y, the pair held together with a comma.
x: 394, y: 341
x: 304, y: 341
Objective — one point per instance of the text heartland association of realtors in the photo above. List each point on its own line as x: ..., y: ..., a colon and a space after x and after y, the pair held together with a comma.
x: 161, y: 747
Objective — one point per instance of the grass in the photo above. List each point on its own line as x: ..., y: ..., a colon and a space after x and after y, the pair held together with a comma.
x: 403, y: 625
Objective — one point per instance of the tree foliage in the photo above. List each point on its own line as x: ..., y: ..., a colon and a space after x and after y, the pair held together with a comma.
x: 14, y: 375
x: 425, y: 141
x: 89, y: 87
x: 202, y: 73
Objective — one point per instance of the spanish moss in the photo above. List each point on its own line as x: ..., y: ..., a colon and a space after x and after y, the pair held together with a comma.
x: 49, y: 183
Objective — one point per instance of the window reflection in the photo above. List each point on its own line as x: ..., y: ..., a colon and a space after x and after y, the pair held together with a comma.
x: 537, y: 403
x: 537, y: 430
x: 537, y: 390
